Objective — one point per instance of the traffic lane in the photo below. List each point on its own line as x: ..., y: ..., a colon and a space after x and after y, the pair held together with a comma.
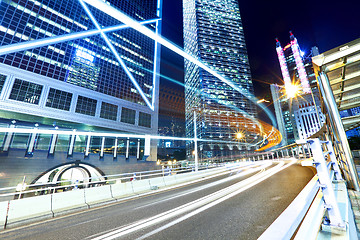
x: 245, y: 216
x: 90, y: 222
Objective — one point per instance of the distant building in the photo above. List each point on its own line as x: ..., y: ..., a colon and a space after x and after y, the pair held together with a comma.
x: 213, y: 33
x: 298, y: 116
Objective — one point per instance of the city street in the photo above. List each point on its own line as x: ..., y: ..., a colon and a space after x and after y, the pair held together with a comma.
x: 227, y: 207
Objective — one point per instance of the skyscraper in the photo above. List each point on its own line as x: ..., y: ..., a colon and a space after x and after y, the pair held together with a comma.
x: 66, y: 65
x: 99, y: 82
x: 297, y: 117
x: 213, y: 33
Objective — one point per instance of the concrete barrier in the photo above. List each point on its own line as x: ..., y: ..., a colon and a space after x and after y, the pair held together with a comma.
x: 66, y: 201
x: 120, y: 190
x: 3, y: 211
x: 96, y: 195
x: 27, y: 209
x: 170, y: 180
x: 157, y: 182
x: 141, y: 185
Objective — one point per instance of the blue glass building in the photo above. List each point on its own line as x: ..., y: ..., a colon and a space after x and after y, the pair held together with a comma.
x: 213, y: 33
x: 79, y: 83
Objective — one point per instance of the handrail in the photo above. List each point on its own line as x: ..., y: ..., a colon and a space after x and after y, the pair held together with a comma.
x: 109, y: 179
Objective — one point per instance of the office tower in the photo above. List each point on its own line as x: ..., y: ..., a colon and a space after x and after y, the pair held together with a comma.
x: 59, y: 71
x: 79, y: 81
x: 282, y: 114
x: 213, y: 33
x: 300, y: 115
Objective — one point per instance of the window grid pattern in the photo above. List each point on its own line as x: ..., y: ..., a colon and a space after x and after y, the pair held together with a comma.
x: 26, y: 91
x: 37, y: 19
x: 213, y: 31
x: 86, y: 106
x: 144, y: 119
x: 108, y: 111
x: 2, y: 81
x: 128, y: 115
x: 59, y: 99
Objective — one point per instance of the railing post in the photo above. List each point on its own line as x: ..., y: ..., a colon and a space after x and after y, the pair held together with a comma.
x: 333, y: 160
x: 326, y: 184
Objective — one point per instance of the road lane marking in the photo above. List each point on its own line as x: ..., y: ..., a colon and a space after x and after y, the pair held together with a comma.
x: 232, y: 177
x: 195, y: 206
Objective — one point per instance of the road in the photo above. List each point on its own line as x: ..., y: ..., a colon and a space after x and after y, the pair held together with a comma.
x: 238, y: 205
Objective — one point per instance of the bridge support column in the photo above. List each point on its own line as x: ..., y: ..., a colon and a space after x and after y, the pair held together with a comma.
x: 71, y: 145
x: 8, y: 138
x: 52, y: 144
x: 115, y: 148
x: 127, y: 148
x: 31, y: 145
x: 138, y: 150
x: 102, y: 147
x: 87, y: 149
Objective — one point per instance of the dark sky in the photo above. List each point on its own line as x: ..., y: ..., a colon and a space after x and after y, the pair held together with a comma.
x: 314, y: 23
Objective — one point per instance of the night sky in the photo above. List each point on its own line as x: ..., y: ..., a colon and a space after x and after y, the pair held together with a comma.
x: 314, y: 23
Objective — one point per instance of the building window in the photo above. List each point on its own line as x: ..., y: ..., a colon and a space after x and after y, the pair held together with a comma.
x: 108, y: 111
x: 128, y: 115
x: 2, y: 81
x: 144, y: 119
x: 26, y: 92
x: 86, y: 106
x: 59, y: 99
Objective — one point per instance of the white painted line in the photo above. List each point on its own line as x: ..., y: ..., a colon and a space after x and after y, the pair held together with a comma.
x: 196, y: 206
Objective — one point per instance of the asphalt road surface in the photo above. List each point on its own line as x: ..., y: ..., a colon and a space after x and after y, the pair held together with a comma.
x: 238, y: 205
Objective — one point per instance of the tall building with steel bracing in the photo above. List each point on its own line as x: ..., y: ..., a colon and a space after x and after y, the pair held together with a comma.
x: 68, y: 65
x: 213, y: 33
x: 300, y: 116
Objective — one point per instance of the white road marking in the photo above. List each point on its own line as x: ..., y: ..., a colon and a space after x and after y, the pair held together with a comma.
x: 195, y: 206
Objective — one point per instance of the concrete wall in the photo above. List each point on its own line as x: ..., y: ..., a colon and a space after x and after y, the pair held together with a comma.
x: 14, y: 165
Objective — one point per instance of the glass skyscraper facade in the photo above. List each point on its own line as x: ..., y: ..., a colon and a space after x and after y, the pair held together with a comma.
x: 79, y: 80
x: 213, y: 33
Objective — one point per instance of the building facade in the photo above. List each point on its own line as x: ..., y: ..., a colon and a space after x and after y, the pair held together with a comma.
x: 213, y: 33
x: 300, y: 116
x: 70, y: 76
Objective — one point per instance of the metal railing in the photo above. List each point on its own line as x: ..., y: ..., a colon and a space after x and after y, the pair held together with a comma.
x: 24, y: 190
x: 319, y: 191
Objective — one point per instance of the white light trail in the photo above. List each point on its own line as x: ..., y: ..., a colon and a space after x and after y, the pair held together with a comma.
x: 116, y: 54
x: 196, y: 206
x: 113, y: 12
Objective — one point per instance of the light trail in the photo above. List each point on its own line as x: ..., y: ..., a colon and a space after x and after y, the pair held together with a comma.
x: 113, y: 12
x: 195, y: 206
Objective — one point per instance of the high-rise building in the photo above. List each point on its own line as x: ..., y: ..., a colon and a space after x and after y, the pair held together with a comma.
x: 105, y: 83
x: 300, y: 116
x: 68, y: 65
x: 213, y: 32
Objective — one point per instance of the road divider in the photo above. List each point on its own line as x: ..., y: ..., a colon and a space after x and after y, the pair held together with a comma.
x: 16, y: 212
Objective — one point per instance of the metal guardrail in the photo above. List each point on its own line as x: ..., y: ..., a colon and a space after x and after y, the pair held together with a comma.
x: 318, y: 195
x: 18, y: 192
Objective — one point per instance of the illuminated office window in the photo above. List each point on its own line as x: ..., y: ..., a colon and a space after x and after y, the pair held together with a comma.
x: 128, y: 115
x: 26, y: 91
x: 144, y: 119
x: 59, y: 99
x: 108, y: 111
x: 86, y: 106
